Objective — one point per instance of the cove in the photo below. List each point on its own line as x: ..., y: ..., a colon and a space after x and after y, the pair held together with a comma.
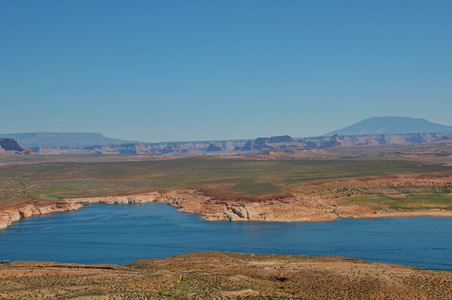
x: 118, y: 234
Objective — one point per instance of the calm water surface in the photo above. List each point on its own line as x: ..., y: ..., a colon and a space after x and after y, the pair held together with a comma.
x: 119, y: 234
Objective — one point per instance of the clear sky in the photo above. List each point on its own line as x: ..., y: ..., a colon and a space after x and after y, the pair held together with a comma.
x: 224, y: 69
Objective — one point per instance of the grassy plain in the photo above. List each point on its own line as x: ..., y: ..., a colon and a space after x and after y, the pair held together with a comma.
x: 406, y: 202
x: 45, y: 180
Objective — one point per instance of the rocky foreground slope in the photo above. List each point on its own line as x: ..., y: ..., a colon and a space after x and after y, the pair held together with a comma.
x: 219, y: 275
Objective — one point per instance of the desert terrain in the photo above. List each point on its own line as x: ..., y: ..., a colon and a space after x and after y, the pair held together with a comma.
x: 219, y: 275
x: 277, y: 185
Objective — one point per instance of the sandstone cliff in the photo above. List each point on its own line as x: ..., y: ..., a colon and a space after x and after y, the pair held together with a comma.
x: 285, y: 142
x: 9, y: 216
x: 286, y: 208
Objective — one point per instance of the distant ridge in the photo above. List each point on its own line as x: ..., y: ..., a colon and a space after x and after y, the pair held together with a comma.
x: 62, y: 139
x: 391, y: 125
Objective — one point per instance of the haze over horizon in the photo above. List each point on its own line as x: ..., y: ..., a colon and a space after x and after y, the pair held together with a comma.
x: 203, y: 70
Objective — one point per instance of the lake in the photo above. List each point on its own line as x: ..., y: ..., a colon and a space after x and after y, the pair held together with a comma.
x: 118, y: 234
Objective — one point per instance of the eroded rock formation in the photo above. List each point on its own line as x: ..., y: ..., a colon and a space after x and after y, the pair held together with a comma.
x: 9, y: 216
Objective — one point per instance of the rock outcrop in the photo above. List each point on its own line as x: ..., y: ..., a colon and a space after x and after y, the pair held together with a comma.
x: 130, y: 199
x: 279, y: 209
x: 11, y: 145
x: 213, y: 148
x: 11, y: 215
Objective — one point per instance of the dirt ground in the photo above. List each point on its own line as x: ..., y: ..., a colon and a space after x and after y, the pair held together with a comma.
x: 220, y: 275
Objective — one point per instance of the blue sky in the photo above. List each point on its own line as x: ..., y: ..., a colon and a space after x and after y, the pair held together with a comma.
x: 203, y: 70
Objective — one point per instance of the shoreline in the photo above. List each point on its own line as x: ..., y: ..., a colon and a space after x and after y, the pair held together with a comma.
x: 282, y: 210
x: 408, y: 214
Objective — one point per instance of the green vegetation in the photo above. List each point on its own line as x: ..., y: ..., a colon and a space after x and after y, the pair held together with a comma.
x: 406, y: 202
x: 219, y: 177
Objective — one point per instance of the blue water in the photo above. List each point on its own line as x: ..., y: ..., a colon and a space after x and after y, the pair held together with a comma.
x: 119, y: 234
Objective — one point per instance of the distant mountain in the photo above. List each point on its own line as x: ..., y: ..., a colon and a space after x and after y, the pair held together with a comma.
x: 391, y: 125
x: 62, y: 139
x: 95, y: 143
